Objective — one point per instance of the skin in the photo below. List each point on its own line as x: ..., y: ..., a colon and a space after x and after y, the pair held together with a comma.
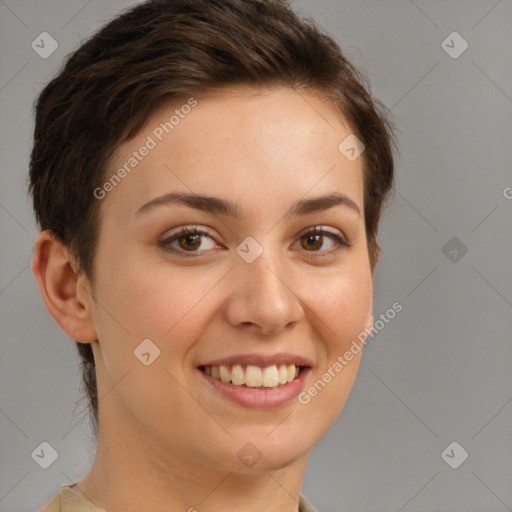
x: 168, y: 442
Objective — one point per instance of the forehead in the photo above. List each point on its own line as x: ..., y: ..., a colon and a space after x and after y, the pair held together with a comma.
x: 237, y: 141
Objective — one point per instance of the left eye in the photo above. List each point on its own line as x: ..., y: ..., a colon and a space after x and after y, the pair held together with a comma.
x: 315, y: 239
x: 191, y: 240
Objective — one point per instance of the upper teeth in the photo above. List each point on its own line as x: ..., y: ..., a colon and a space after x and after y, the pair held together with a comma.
x: 254, y: 376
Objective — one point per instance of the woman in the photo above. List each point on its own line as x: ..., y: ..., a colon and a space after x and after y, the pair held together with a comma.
x: 208, y: 177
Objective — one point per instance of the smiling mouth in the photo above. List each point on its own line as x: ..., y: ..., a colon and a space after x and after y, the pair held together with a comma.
x: 251, y: 376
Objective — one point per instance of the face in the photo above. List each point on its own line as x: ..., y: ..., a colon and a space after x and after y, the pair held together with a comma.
x: 273, y: 278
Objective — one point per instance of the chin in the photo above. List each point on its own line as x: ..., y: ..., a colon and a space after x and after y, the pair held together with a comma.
x: 264, y: 452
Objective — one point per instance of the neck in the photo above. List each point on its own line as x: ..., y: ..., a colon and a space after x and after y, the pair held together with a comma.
x: 129, y: 475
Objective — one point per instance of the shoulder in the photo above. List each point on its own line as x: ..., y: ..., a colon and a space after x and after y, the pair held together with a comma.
x: 53, y: 505
x: 75, y: 504
x: 68, y: 500
x: 305, y: 506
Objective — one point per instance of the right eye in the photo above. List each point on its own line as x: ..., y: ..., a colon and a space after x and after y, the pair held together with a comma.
x: 189, y: 241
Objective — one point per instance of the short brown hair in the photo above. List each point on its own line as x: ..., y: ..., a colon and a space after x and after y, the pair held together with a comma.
x: 161, y: 49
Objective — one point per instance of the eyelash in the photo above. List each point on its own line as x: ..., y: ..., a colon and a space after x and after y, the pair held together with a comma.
x: 166, y: 242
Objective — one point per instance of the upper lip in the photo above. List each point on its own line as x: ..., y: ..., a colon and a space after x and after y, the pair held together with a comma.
x: 260, y: 360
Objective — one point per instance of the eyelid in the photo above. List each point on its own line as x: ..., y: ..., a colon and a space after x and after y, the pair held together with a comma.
x: 322, y: 230
x: 188, y: 228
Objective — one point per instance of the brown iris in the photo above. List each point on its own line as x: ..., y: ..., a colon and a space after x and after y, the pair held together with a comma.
x: 193, y: 239
x: 317, y: 239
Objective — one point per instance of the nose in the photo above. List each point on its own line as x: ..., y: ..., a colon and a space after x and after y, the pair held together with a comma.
x: 263, y: 296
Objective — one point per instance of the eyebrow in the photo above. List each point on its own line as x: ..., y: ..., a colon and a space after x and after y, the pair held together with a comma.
x: 226, y: 207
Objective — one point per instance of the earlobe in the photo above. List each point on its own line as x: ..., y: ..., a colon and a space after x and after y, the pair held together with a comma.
x: 64, y: 294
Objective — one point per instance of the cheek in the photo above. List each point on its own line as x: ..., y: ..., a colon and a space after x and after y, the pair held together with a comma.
x: 167, y: 306
x: 152, y: 298
x: 344, y: 303
x: 152, y: 303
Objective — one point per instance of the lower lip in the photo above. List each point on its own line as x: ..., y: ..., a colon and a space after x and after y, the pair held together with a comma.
x: 259, y: 398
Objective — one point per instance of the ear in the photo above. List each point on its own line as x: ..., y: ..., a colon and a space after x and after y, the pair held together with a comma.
x: 67, y: 297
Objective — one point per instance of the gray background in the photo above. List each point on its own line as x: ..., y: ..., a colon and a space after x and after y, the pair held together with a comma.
x: 438, y: 372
